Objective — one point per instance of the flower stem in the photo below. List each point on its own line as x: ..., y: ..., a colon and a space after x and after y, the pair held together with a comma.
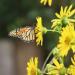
x: 43, y: 68
x: 53, y: 31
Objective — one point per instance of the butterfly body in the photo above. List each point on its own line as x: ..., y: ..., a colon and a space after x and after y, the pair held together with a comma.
x: 26, y: 34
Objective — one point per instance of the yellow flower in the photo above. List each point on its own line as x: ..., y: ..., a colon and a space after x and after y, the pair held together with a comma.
x: 32, y: 66
x: 66, y: 40
x: 71, y: 69
x: 64, y: 17
x: 56, y: 69
x: 45, y: 1
x: 39, y: 30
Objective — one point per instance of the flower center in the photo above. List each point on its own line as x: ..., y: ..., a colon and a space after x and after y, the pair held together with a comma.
x: 67, y: 40
x: 33, y: 71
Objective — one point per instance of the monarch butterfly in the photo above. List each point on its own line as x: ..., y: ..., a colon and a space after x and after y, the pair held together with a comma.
x: 25, y: 34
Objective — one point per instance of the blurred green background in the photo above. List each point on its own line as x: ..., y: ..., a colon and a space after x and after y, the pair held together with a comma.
x: 20, y: 13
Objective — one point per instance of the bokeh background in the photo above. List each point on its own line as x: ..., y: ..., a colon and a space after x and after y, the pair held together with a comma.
x: 14, y: 53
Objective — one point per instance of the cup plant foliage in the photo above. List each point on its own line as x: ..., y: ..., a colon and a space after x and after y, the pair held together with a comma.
x: 63, y: 24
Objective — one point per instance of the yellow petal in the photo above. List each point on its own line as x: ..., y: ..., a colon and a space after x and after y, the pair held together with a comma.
x: 57, y: 15
x: 56, y: 63
x: 61, y: 12
x: 73, y: 62
x: 65, y: 10
x: 71, y: 13
x: 49, y: 2
x: 69, y: 9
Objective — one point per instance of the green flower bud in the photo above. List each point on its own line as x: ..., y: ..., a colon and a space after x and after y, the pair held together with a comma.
x: 64, y: 21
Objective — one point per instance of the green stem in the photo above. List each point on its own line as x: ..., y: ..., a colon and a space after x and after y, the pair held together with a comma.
x: 53, y: 31
x: 43, y: 68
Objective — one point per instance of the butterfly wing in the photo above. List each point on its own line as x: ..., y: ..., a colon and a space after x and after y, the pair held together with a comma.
x: 28, y: 35
x: 25, y: 34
